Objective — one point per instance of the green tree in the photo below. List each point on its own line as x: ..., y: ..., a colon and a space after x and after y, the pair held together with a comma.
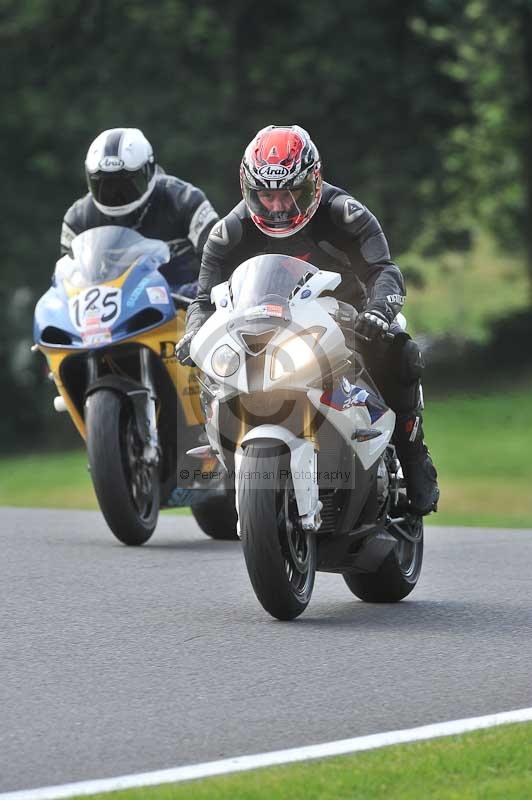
x: 488, y: 156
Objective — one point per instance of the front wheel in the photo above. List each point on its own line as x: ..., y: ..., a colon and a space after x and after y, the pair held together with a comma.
x: 399, y: 572
x: 126, y: 487
x: 280, y: 555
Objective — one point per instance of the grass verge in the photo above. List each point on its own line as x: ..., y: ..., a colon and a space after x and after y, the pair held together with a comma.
x: 493, y: 764
x: 479, y: 443
x: 49, y: 480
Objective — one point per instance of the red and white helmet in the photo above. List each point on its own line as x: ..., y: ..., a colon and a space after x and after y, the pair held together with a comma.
x: 280, y: 177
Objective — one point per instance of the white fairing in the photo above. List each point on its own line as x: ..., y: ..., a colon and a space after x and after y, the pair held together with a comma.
x: 322, y: 281
x: 221, y: 297
x: 355, y: 418
x: 311, y: 344
x: 216, y: 332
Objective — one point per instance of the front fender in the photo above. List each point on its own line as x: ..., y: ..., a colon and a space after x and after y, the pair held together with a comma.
x: 303, y: 463
x: 138, y: 395
x: 121, y: 384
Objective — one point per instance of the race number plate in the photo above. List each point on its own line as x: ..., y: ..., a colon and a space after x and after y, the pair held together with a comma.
x: 95, y: 308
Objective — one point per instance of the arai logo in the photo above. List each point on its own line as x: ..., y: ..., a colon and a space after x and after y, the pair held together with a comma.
x: 111, y: 164
x: 273, y: 172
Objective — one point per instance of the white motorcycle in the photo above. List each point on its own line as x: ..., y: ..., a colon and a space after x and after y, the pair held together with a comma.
x: 293, y: 415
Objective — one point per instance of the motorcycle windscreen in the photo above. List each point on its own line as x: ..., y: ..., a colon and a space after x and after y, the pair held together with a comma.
x: 103, y: 254
x: 269, y: 279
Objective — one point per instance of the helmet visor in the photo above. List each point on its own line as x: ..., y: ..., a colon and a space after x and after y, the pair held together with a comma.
x: 280, y: 208
x: 118, y: 189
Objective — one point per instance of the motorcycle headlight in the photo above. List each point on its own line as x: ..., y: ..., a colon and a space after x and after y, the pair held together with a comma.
x: 225, y: 361
x: 296, y: 353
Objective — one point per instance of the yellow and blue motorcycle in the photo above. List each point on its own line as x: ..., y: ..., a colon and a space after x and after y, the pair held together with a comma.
x: 108, y: 326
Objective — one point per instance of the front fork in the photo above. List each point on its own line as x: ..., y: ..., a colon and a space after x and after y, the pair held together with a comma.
x: 312, y: 520
x: 144, y: 402
x: 151, y: 437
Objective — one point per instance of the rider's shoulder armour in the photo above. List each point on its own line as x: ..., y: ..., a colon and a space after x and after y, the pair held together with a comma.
x: 347, y: 213
x: 227, y: 233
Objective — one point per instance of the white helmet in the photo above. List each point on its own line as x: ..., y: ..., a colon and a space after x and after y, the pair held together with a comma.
x: 120, y: 170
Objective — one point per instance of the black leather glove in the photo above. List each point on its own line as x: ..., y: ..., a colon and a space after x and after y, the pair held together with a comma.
x: 182, y: 349
x: 375, y: 321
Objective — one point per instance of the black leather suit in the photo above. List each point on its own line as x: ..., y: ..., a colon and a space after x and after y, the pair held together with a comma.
x: 176, y: 212
x: 342, y: 236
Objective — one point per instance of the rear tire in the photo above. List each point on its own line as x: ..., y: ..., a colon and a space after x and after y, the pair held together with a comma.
x: 397, y: 575
x: 280, y: 556
x: 127, y: 491
x: 217, y: 517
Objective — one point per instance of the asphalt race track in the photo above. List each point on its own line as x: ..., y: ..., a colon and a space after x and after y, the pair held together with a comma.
x: 116, y: 660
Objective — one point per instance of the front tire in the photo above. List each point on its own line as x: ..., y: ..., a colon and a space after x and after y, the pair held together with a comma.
x: 127, y: 489
x: 280, y: 556
x: 399, y: 572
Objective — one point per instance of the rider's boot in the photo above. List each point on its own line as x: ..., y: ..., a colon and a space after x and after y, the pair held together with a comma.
x: 419, y: 471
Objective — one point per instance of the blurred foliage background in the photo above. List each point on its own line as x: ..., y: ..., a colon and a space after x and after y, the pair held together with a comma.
x: 422, y: 109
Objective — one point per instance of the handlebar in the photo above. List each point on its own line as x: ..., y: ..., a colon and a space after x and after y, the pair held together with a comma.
x: 180, y: 300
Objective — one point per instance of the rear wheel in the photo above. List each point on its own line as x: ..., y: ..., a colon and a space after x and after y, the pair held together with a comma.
x: 280, y: 555
x: 126, y: 487
x: 216, y: 516
x: 399, y: 572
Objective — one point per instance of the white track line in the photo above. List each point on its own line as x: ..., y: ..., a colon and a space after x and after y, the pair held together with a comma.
x: 243, y: 763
